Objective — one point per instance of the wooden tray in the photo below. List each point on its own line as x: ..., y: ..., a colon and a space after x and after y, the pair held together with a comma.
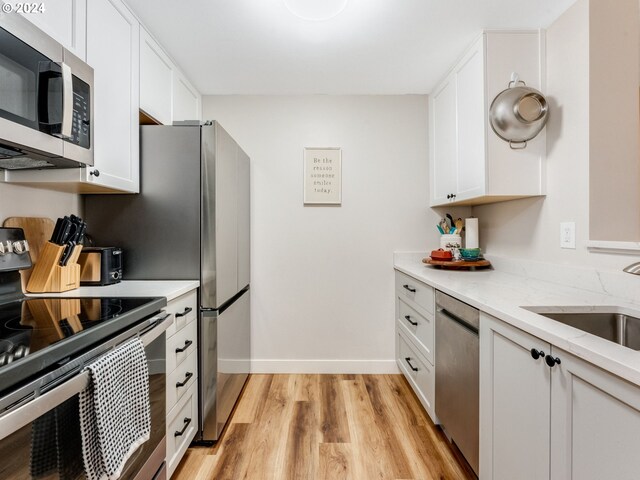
x: 457, y: 265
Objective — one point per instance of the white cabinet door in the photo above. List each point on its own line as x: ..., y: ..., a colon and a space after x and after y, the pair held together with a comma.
x: 595, y: 422
x: 443, y: 142
x: 113, y: 52
x: 156, y: 78
x: 64, y: 20
x: 186, y: 99
x: 515, y: 392
x: 470, y: 104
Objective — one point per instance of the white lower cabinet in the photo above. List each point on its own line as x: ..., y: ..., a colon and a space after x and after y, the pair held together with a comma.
x: 182, y: 423
x: 415, y: 338
x: 418, y: 371
x: 515, y: 403
x: 182, y: 378
x: 571, y: 420
x: 595, y: 422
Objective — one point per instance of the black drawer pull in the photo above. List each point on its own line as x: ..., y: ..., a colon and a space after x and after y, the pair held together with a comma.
x: 408, y: 360
x: 411, y: 289
x: 187, y: 344
x: 187, y: 377
x: 187, y: 421
x: 186, y: 311
x: 408, y: 319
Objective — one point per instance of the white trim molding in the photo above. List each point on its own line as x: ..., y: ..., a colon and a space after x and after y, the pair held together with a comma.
x: 324, y: 366
x: 622, y: 248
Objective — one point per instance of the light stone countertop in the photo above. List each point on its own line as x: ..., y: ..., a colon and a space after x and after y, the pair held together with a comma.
x: 170, y: 289
x: 503, y: 294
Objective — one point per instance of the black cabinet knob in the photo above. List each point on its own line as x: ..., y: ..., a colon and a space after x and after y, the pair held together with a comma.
x: 536, y: 354
x: 552, y: 361
x: 95, y: 172
x: 448, y: 196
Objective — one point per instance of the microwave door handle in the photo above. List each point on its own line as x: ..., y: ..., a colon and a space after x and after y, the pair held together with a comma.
x: 67, y: 101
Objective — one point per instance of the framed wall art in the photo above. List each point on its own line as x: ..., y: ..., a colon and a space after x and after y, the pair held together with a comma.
x: 323, y: 176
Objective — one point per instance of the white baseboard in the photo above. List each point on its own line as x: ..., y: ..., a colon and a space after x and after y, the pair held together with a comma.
x: 324, y: 366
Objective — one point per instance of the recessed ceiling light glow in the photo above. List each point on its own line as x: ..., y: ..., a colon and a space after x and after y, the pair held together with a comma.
x: 315, y: 10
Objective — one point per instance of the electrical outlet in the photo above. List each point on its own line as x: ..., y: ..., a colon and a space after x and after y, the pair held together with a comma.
x: 568, y: 235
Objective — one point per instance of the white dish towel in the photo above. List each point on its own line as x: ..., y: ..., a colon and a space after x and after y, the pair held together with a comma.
x: 115, y: 415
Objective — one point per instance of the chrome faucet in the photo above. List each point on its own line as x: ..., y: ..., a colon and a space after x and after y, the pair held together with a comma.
x: 633, y: 268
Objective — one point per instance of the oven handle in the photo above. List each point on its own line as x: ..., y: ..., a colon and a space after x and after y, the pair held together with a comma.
x: 27, y: 413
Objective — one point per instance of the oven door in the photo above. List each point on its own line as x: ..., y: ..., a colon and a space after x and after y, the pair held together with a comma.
x: 45, y: 441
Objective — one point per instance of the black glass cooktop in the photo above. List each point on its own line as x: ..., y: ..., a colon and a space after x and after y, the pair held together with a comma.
x: 37, y: 333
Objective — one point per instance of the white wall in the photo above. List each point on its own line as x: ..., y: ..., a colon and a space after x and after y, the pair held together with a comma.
x: 322, y: 277
x: 530, y: 228
x: 20, y: 201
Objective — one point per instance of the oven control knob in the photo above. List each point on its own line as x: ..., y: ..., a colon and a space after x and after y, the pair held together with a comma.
x: 6, y: 247
x: 20, y: 247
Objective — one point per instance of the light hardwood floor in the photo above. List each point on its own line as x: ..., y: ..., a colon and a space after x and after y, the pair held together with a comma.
x: 333, y: 427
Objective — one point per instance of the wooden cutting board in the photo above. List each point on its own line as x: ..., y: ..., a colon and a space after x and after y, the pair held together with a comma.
x: 37, y: 231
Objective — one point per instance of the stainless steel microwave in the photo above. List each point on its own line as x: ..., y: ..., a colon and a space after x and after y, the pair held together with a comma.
x: 46, y: 100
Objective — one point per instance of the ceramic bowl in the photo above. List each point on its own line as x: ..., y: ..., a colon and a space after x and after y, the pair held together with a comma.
x: 470, y: 254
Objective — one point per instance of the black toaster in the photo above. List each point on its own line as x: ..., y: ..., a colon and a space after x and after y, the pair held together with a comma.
x: 100, y: 265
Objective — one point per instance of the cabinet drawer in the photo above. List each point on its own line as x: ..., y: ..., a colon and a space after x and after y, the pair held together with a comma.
x: 180, y: 346
x: 419, y: 328
x: 416, y: 291
x: 186, y: 373
x: 185, y: 309
x: 419, y: 373
x: 184, y: 414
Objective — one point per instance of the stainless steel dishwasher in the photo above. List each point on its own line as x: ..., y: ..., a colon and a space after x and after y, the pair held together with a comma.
x: 457, y: 373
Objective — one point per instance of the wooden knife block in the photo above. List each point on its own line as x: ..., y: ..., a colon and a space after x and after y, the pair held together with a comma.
x: 49, y: 277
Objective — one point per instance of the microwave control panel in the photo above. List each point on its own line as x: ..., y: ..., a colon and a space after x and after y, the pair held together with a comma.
x: 81, y: 128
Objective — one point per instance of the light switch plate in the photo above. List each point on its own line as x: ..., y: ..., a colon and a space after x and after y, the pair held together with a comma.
x: 568, y: 235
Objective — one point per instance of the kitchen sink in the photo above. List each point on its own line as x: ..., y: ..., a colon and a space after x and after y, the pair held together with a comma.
x: 611, y: 323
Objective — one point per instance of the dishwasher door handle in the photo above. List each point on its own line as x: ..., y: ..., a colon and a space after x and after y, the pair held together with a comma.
x: 468, y: 325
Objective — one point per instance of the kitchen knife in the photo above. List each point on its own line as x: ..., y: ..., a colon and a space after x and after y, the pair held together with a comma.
x: 56, y: 231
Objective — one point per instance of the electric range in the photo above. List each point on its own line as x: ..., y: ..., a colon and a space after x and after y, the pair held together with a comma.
x: 45, y: 345
x: 40, y: 334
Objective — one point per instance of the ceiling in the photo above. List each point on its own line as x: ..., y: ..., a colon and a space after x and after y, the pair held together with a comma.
x: 371, y: 47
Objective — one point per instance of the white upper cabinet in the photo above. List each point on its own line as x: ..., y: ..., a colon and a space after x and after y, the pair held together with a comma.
x: 156, y: 77
x: 165, y: 93
x: 443, y: 141
x: 64, y: 20
x: 187, y: 102
x: 116, y: 94
x: 469, y: 163
x: 113, y: 35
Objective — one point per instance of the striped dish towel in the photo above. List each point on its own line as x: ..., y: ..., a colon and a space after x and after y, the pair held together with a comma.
x: 115, y: 414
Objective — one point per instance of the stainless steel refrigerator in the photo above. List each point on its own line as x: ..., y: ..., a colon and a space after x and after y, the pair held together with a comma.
x: 191, y: 221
